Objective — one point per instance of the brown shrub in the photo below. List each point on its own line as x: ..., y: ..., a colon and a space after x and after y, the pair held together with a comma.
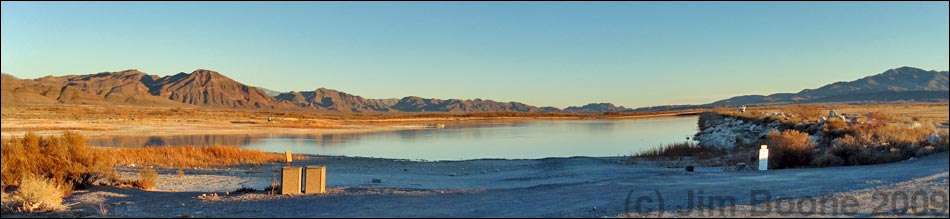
x: 828, y: 160
x: 148, y: 177
x: 789, y: 149
x: 39, y: 194
x: 835, y: 125
x: 65, y: 159
x: 900, y: 135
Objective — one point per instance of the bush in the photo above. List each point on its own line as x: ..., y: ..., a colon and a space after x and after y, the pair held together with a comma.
x: 39, y: 194
x: 789, y: 149
x: 66, y: 160
x: 828, y: 160
x: 894, y: 135
x: 147, y: 178
x: 835, y: 125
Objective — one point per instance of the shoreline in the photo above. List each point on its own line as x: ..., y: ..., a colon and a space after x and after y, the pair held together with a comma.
x: 553, y: 187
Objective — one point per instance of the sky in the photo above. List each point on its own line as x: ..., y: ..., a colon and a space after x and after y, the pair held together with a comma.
x: 560, y: 54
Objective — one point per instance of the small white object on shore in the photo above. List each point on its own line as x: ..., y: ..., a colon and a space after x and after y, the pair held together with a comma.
x: 764, y: 158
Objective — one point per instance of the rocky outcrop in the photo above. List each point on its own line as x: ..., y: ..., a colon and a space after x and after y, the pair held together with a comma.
x: 722, y: 131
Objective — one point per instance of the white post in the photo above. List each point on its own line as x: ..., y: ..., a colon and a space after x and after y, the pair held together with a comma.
x: 764, y: 158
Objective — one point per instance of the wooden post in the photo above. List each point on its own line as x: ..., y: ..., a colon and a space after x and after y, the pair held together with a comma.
x: 290, y: 157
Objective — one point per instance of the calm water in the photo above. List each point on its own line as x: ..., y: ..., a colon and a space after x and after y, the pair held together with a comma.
x: 509, y: 140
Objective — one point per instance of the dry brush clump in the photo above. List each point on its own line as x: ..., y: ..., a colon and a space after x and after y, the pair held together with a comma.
x: 790, y: 149
x: 148, y: 178
x: 66, y: 160
x: 38, y: 194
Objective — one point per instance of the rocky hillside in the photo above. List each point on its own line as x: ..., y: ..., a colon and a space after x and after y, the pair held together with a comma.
x: 131, y: 87
x: 333, y: 100
x: 418, y: 104
x: 597, y: 108
x: 210, y: 88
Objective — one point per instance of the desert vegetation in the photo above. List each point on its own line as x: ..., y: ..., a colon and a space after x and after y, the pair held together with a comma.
x: 789, y: 149
x: 44, y: 170
x: 148, y: 177
x: 192, y: 156
x: 860, y: 135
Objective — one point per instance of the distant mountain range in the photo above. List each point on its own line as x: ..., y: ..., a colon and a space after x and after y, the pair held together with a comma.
x: 206, y: 88
x: 900, y: 84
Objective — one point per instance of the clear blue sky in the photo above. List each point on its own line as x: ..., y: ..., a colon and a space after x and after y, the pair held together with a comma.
x: 541, y: 53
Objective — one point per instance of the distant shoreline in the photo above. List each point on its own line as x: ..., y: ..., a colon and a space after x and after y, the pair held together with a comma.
x: 101, y: 121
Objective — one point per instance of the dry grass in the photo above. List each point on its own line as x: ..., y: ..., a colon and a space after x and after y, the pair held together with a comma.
x: 684, y: 149
x: 789, y: 149
x: 148, y: 178
x: 39, y: 194
x: 193, y: 156
x: 675, y: 155
x: 805, y: 112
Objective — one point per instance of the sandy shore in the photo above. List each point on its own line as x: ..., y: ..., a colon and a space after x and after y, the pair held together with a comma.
x: 554, y: 187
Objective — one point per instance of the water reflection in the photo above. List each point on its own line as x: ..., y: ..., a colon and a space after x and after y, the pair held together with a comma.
x: 470, y: 140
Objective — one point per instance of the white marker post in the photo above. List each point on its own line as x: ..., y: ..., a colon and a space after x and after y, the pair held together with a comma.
x: 764, y: 158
